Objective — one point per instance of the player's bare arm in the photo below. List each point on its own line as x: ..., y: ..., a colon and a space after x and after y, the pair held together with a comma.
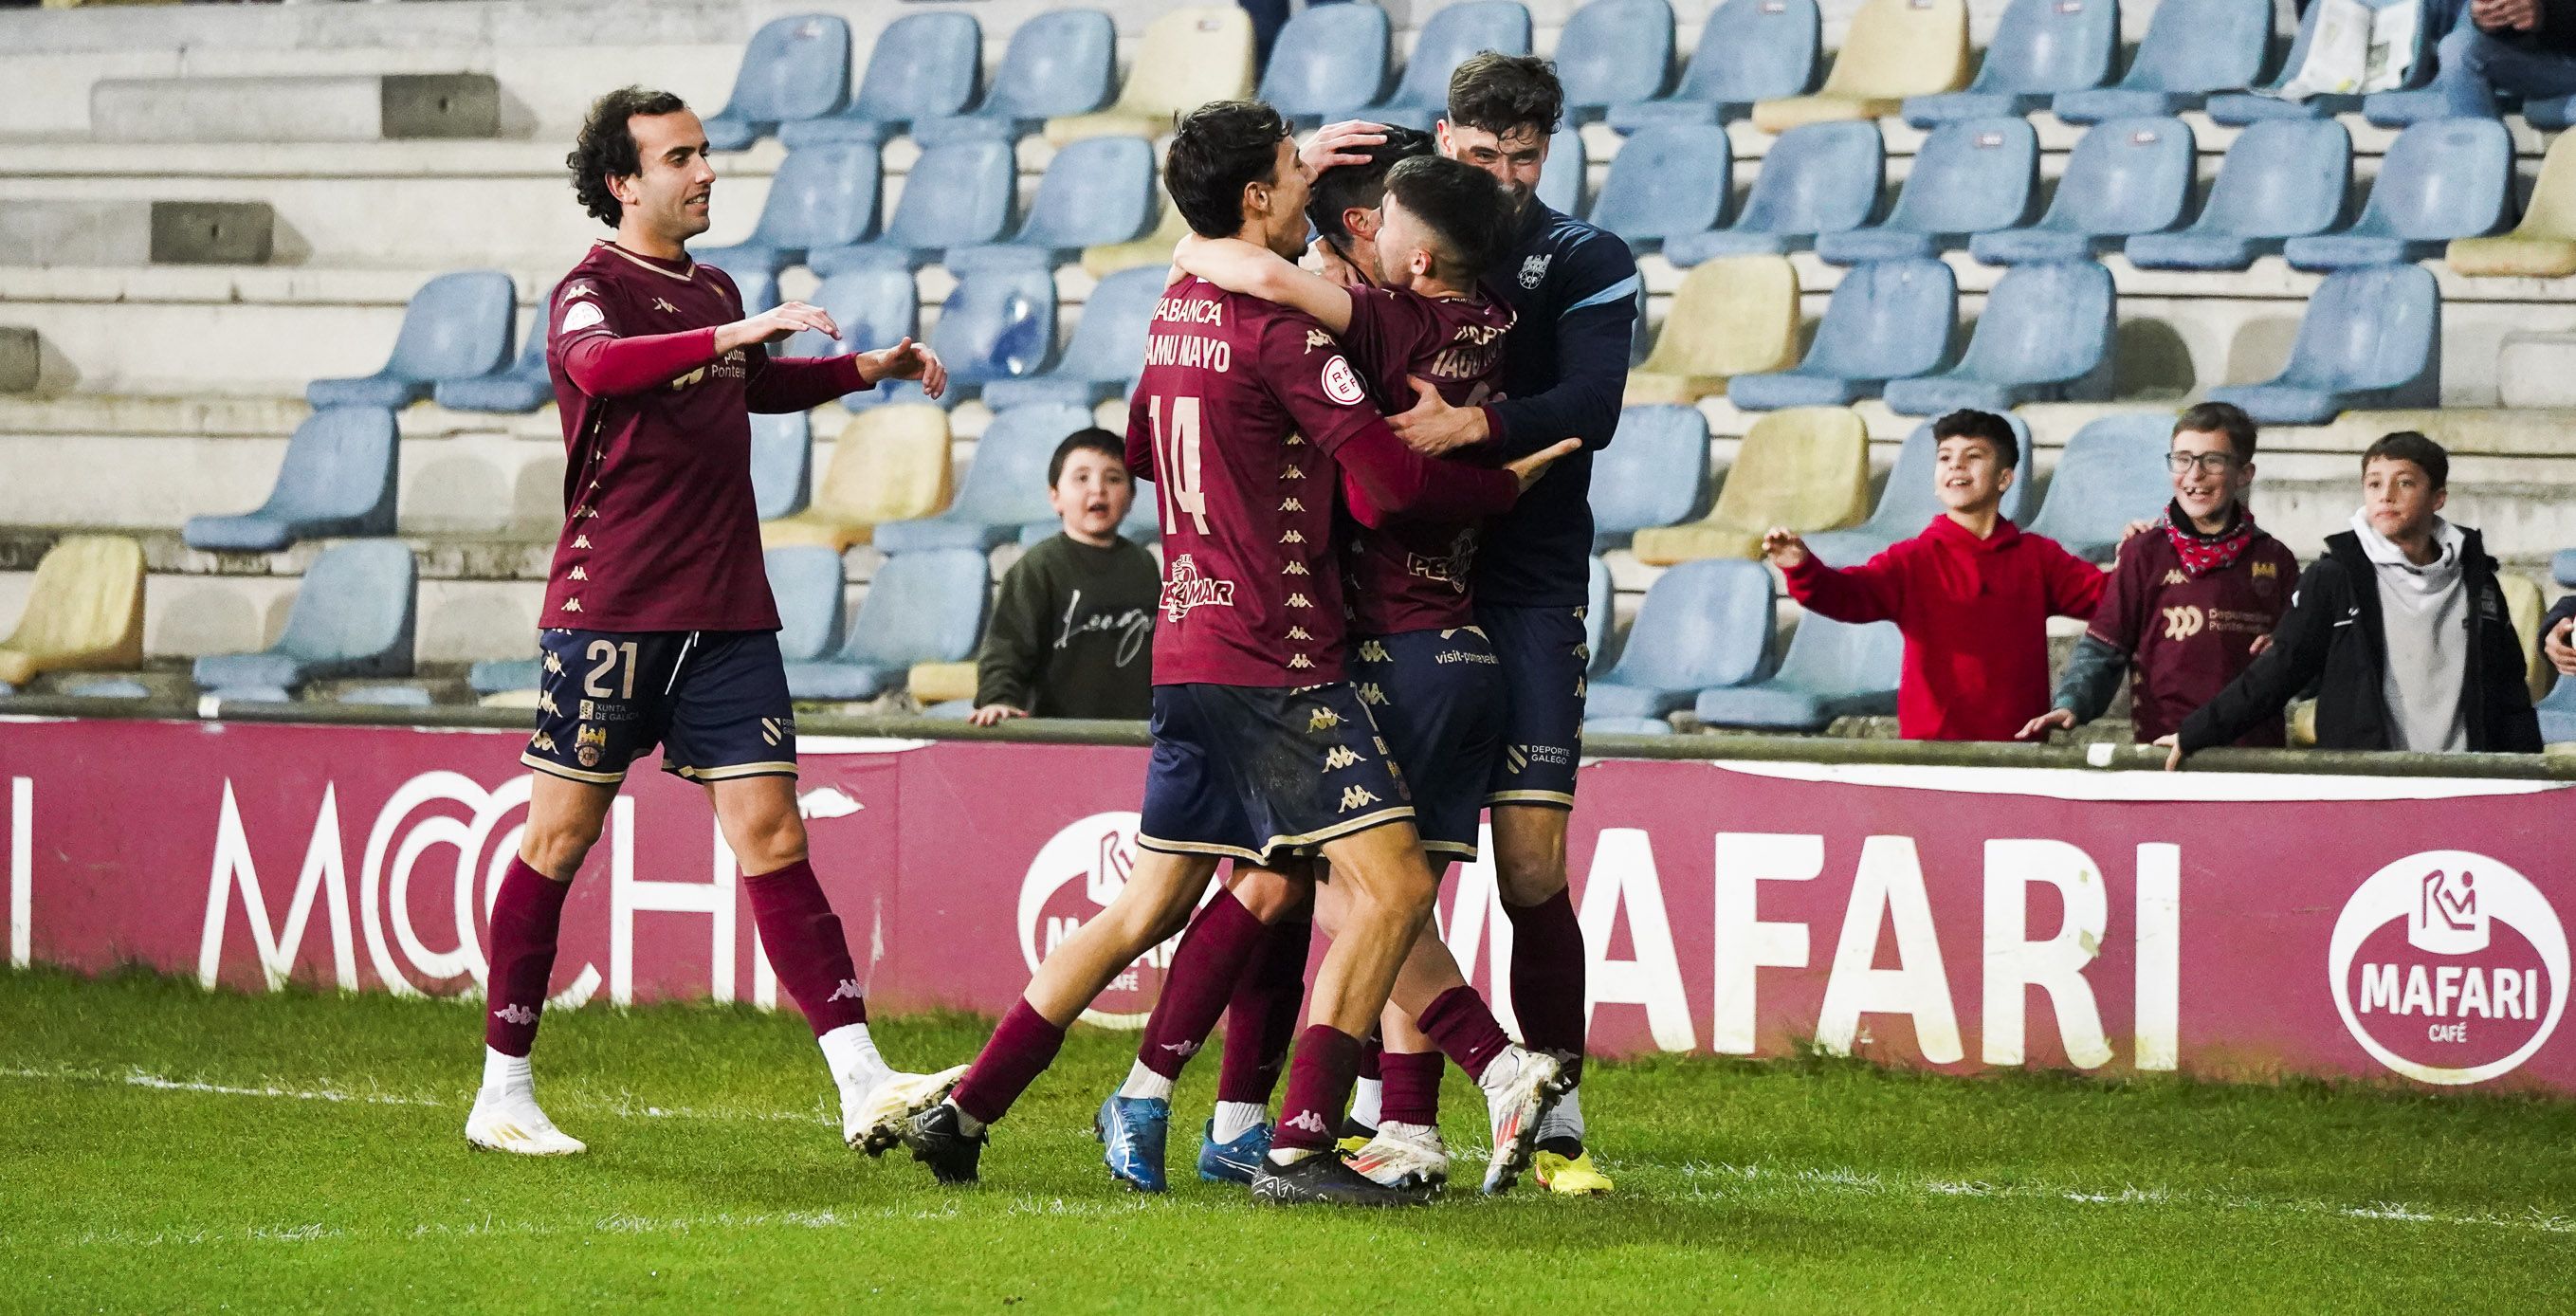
x: 1240, y: 267
x: 1529, y: 468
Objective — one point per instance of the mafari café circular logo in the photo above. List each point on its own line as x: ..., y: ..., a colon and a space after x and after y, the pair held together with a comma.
x: 2449, y: 967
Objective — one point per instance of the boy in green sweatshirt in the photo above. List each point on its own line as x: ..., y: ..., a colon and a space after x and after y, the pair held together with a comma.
x: 1072, y: 631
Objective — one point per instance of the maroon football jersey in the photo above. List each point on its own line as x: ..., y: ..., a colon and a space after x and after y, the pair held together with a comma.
x: 2188, y: 636
x: 1412, y: 575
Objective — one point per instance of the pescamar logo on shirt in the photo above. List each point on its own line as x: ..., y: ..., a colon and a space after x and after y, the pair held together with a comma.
x: 1186, y: 589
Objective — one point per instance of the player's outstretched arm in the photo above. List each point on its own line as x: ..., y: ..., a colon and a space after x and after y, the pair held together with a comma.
x: 1238, y: 266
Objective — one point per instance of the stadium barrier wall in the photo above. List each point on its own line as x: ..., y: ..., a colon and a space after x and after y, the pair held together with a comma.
x: 1911, y: 904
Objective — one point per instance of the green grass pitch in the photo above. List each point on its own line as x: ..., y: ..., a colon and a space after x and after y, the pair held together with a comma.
x: 162, y: 1148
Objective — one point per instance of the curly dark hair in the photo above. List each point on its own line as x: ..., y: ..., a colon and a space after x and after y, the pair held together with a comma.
x: 1222, y: 147
x: 606, y: 148
x: 1501, y: 93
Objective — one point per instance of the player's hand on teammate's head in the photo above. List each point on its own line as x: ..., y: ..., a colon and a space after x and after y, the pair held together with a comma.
x: 2060, y: 719
x: 1529, y: 468
x: 1330, y: 144
x: 906, y: 360
x: 1785, y: 547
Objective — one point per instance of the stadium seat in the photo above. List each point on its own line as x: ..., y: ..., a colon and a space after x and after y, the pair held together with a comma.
x: 524, y: 386
x: 352, y: 616
x: 2283, y: 178
x: 2543, y: 245
x: 782, y: 463
x: 1600, y: 601
x: 958, y: 194
x: 1654, y: 472
x: 2264, y: 104
x: 1567, y: 174
x: 2562, y: 567
x: 2549, y: 114
x: 2125, y: 177
x: 807, y: 583
x: 2558, y: 713
x: 1818, y: 178
x: 1833, y: 670
x: 923, y: 66
x: 1730, y: 317
x: 889, y: 464
x: 1806, y: 468
x: 2442, y: 179
x: 2112, y: 472
x: 2371, y: 338
x: 920, y: 607
x: 796, y: 67
x: 1188, y: 57
x: 998, y: 324
x: 1448, y: 37
x: 939, y: 685
x: 1329, y: 61
x: 457, y: 326
x: 822, y: 197
x: 1627, y: 726
x: 2044, y: 336
x: 2192, y: 49
x: 1749, y: 50
x: 1096, y: 192
x: 1005, y: 486
x: 337, y: 481
x: 2040, y: 48
x: 494, y: 676
x: 1909, y: 503
x: 1107, y: 351
x: 1154, y: 250
x: 1702, y: 624
x: 1970, y: 176
x: 1059, y: 63
x: 1666, y: 182
x: 1887, y: 320
x: 2525, y: 605
x: 1894, y: 49
x: 1613, y: 52
x: 84, y: 611
x: 874, y: 307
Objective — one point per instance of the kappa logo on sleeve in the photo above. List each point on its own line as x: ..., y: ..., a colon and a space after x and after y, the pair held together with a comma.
x: 1340, y: 384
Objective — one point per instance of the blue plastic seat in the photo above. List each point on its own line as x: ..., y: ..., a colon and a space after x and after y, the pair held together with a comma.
x: 2562, y: 567
x: 1061, y: 62
x: 2442, y: 179
x: 959, y: 194
x: 352, y: 616
x: 925, y: 607
x: 806, y: 582
x: 1749, y: 50
x: 1448, y: 37
x: 1817, y: 178
x: 923, y: 66
x: 521, y: 387
x: 1562, y: 180
x: 1704, y: 623
x: 782, y: 463
x: 1887, y: 320
x: 494, y: 676
x: 337, y: 480
x: 2264, y: 104
x: 874, y: 307
x: 1005, y: 486
x: 1908, y: 503
x: 796, y: 67
x: 1329, y: 62
x: 1108, y: 347
x: 1627, y: 726
x: 1614, y: 52
x: 2045, y: 336
x: 2112, y: 472
x: 1600, y: 602
x: 2125, y: 177
x: 1833, y: 669
x: 2040, y: 49
x: 2193, y: 48
x: 1655, y: 472
x: 998, y: 324
x: 1970, y: 176
x: 2371, y: 338
x: 821, y: 197
x: 458, y: 326
x: 2284, y: 178
x: 1097, y: 191
x: 2558, y: 713
x: 1666, y: 182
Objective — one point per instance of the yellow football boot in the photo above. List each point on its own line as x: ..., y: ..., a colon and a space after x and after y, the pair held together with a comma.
x: 1576, y: 1177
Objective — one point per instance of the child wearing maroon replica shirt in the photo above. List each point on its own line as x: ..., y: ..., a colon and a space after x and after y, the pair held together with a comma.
x: 658, y: 623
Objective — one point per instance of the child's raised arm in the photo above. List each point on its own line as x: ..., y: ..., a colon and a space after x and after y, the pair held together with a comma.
x: 1238, y: 266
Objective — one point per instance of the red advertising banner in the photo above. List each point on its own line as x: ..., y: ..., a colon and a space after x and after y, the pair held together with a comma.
x: 2229, y: 925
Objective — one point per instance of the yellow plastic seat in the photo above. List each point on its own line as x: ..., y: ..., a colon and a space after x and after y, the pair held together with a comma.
x: 890, y: 464
x: 2525, y: 604
x: 1189, y: 57
x: 938, y: 683
x: 2543, y: 245
x: 84, y: 612
x: 1806, y: 468
x: 1895, y: 49
x: 1154, y: 248
x: 1735, y: 316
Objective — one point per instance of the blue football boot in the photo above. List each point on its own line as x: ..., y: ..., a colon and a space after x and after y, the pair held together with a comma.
x: 1132, y: 1131
x: 1236, y: 1161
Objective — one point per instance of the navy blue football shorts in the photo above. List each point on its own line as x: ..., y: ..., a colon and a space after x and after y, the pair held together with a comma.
x: 1544, y: 652
x: 1437, y: 696
x: 1262, y: 773
x: 715, y: 701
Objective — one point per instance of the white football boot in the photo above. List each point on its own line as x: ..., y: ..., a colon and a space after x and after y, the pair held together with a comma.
x: 508, y: 1120
x: 1404, y: 1156
x: 1519, y: 1088
x: 872, y: 1120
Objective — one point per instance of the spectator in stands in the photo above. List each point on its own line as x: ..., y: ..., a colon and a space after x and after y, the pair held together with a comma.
x: 1972, y: 594
x: 2401, y: 627
x: 2525, y: 47
x: 2192, y: 598
x: 1073, y: 628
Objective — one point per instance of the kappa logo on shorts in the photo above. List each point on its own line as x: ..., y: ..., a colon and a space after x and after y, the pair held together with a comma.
x: 1356, y: 797
x: 542, y: 743
x: 554, y: 664
x: 546, y: 702
x: 1322, y: 719
x: 1340, y: 757
x: 1187, y: 589
x: 1372, y: 651
x: 1372, y: 693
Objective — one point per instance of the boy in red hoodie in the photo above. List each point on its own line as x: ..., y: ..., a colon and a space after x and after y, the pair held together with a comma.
x: 1972, y: 594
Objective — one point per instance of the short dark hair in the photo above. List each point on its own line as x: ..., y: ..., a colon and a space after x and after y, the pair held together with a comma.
x: 606, y: 147
x: 1361, y: 186
x: 1501, y: 93
x: 2409, y: 446
x: 1094, y: 439
x: 1967, y: 423
x: 2220, y: 418
x: 1464, y: 208
x: 1222, y: 147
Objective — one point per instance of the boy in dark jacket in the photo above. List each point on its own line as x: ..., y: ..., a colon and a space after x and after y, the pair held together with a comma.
x: 2401, y: 625
x: 1073, y: 628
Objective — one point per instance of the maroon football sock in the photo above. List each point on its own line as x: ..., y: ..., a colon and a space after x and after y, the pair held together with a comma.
x: 1020, y: 1050
x: 1459, y: 1022
x: 1372, y: 1059
x: 1319, y: 1088
x: 803, y: 939
x: 1215, y: 957
x: 1261, y: 1020
x: 525, y: 916
x: 1412, y: 1092
x: 1548, y: 965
